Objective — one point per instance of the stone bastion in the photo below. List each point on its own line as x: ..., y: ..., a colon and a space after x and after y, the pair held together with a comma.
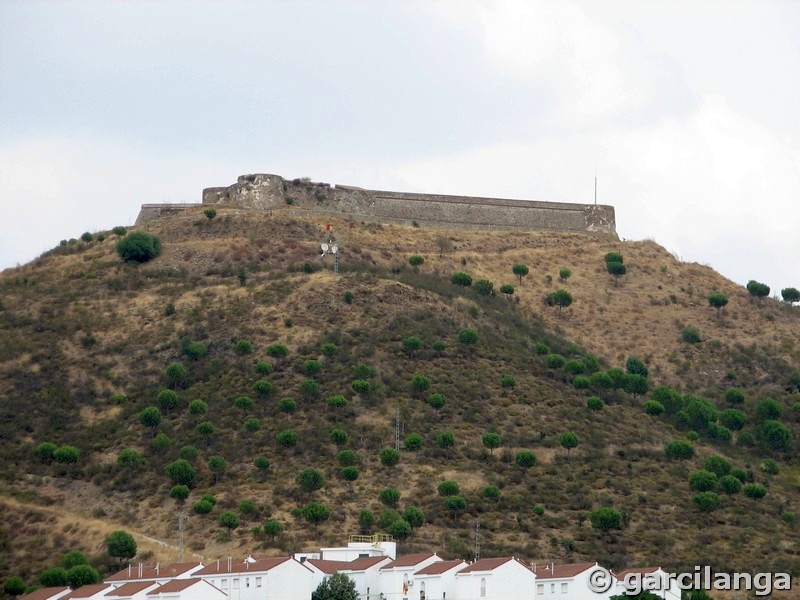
x: 266, y: 192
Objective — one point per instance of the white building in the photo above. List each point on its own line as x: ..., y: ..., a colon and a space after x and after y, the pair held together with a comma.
x: 48, y: 593
x: 133, y: 590
x: 281, y: 578
x: 652, y: 579
x: 364, y: 572
x: 495, y: 579
x: 570, y: 582
x: 187, y: 589
x: 397, y: 577
x: 437, y: 581
x: 157, y: 573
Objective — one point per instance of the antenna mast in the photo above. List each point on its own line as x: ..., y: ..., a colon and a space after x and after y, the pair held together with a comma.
x: 181, y: 520
x: 595, y: 185
x: 477, y: 540
x: 397, y: 431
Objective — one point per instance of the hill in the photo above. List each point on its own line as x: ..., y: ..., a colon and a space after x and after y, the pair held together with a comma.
x: 86, y: 341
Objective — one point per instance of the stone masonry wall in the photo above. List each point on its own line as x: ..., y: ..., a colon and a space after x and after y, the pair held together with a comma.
x: 265, y: 192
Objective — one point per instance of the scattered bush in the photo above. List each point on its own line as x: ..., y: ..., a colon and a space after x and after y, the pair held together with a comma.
x: 139, y: 247
x: 594, y: 403
x: 691, y: 335
x: 460, y: 278
x: 243, y: 347
x: 389, y: 457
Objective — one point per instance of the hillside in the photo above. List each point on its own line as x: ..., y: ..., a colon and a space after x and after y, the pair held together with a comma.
x: 78, y: 326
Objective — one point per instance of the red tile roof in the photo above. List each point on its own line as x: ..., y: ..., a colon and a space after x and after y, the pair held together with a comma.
x: 561, y: 571
x: 87, y: 591
x: 409, y: 560
x: 329, y: 567
x: 443, y: 566
x: 43, y: 593
x: 129, y: 589
x: 132, y: 572
x: 176, y: 585
x: 221, y: 567
x: 486, y: 564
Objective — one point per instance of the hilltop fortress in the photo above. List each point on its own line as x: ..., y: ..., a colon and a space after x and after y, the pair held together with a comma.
x: 265, y: 192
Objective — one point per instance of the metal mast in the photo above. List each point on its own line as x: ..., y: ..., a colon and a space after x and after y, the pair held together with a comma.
x: 477, y: 540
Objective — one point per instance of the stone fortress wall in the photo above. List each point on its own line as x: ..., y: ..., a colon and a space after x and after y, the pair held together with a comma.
x: 266, y: 192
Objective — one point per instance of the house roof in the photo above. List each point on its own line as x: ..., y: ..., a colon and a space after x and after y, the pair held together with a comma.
x: 486, y: 564
x: 129, y: 589
x: 562, y: 571
x: 86, y: 591
x: 44, y: 593
x: 329, y: 567
x: 132, y: 572
x: 639, y: 570
x: 442, y: 566
x: 174, y: 586
x: 409, y: 560
x: 262, y: 565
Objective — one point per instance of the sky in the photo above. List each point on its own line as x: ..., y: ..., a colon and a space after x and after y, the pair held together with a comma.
x: 686, y: 110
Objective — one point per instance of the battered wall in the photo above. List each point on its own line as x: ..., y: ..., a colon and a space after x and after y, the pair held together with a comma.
x: 264, y: 192
x: 151, y: 212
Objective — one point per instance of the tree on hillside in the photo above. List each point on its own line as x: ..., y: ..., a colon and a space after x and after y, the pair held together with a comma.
x: 14, y: 586
x: 560, y: 298
x: 139, y: 247
x: 564, y: 274
x: 416, y: 261
x: 568, y: 440
x: 444, y: 243
x: 461, y: 278
x: 615, y: 268
x: 757, y: 289
x: 520, y: 271
x: 790, y: 295
x: 717, y: 300
x: 336, y: 587
x: 121, y: 545
x: 605, y: 519
x: 491, y: 441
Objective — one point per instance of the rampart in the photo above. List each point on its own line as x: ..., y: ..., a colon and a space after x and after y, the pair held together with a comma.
x: 265, y: 192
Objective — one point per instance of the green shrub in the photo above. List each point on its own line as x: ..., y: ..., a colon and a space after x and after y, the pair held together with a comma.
x: 139, y: 247
x: 538, y: 510
x: 448, y: 488
x: 653, y: 408
x: 702, y: 480
x: 347, y: 458
x: 243, y: 347
x: 541, y: 349
x: 484, y: 287
x: 328, y: 349
x: 770, y: 467
x: 507, y: 289
x: 287, y: 405
x: 197, y: 407
x: 411, y: 344
x: 348, y: 297
x: 87, y: 236
x: 278, y: 351
x: 338, y: 437
x: 189, y: 453
x: 679, y: 450
x: 389, y: 457
x: 196, y: 350
x: 492, y: 492
x: 261, y: 463
x: 416, y: 260
x: 718, y: 465
x: 161, y: 443
x: 508, y: 381
x: 581, y: 382
x: 44, y: 451
x: 413, y: 442
x: 287, y: 438
x: 754, y: 491
x: 119, y: 230
x: 468, y: 336
x: 691, y: 335
x: 181, y: 472
x: 730, y: 485
x: 310, y: 480
x: 128, y: 458
x: 202, y: 507
x: 264, y: 368
x: 594, y: 403
x: 389, y: 496
x: 734, y: 396
x: 66, y: 454
x: 118, y: 398
x: 179, y: 492
x: 262, y: 387
x: 252, y: 424
x: 525, y: 459
x: 788, y: 518
x: 176, y: 374
x: 210, y: 213
x: 360, y: 386
x: 461, y: 278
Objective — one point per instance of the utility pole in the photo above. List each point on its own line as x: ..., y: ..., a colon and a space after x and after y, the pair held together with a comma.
x: 595, y: 185
x: 477, y: 540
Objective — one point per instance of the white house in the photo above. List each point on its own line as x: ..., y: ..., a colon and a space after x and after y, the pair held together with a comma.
x: 281, y: 578
x: 48, y: 593
x: 133, y: 590
x: 89, y: 592
x: 187, y: 589
x: 571, y: 582
x: 652, y: 579
x: 437, y: 581
x: 156, y: 573
x: 397, y: 577
x: 495, y: 579
x: 364, y: 572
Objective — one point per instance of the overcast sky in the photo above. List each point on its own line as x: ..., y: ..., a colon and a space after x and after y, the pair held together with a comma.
x: 687, y: 110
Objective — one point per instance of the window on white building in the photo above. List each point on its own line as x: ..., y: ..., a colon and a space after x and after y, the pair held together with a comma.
x: 236, y: 583
x: 224, y: 584
x: 540, y: 588
x: 563, y: 588
x: 258, y: 581
x: 483, y: 587
x: 552, y: 588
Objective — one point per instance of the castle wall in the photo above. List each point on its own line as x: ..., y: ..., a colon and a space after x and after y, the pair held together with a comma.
x: 264, y: 192
x: 153, y: 212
